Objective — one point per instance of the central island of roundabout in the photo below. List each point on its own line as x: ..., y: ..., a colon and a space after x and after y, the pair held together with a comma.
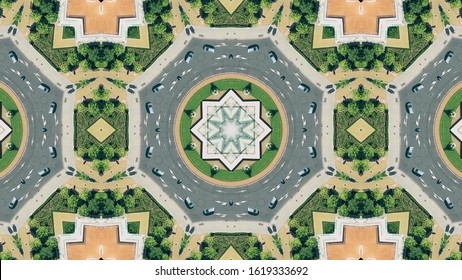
x: 231, y: 130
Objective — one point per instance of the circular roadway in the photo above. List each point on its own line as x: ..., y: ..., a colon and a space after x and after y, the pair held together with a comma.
x: 425, y: 104
x: 202, y: 66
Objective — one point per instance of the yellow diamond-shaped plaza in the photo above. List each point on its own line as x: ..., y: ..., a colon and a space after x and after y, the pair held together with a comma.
x: 101, y: 130
x: 361, y: 130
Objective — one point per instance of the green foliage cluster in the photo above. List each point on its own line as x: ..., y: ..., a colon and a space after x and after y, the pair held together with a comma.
x: 346, y: 145
x: 393, y: 227
x: 6, y: 255
x: 357, y: 55
x: 133, y: 32
x: 393, y: 32
x: 133, y: 227
x: 68, y: 227
x: 328, y: 32
x: 6, y: 4
x: 111, y: 203
x: 246, y: 245
x: 94, y: 56
x: 417, y: 246
x: 247, y: 14
x: 328, y: 227
x: 114, y: 113
x: 68, y: 32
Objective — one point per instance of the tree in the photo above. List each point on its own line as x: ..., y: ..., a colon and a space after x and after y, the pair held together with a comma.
x: 42, y: 232
x: 419, y: 233
x: 73, y: 202
x: 410, y: 242
x: 343, y: 210
x: 302, y: 233
x: 150, y: 243
x: 353, y: 151
x: 64, y: 192
x: 119, y: 210
x: 168, y: 225
x: 52, y: 242
x: 195, y: 256
x: 210, y: 7
x: 296, y: 245
x: 353, y: 109
x: 129, y: 202
x: 293, y: 224
x: 345, y: 65
x: 345, y: 194
x: 302, y: 28
x: 117, y: 65
x: 6, y: 256
x: 209, y: 253
x: 46, y: 253
x: 368, y: 150
x: 34, y: 224
x: 332, y: 58
x: 312, y: 17
x: 389, y: 202
x: 455, y: 256
x: 353, y: 206
x: 129, y: 57
x: 117, y: 194
x: 35, y: 244
x: 108, y: 150
x: 137, y: 193
x: 295, y: 15
x: 343, y: 49
x: 159, y: 233
x: 397, y: 193
x: 93, y: 152
x: 251, y: 7
x: 252, y: 253
x: 83, y: 211
x: 332, y: 202
x: 150, y: 17
x: 419, y: 28
x: 52, y: 17
x: 252, y: 241
x: 378, y: 49
x: 42, y: 28
x: 108, y: 207
x: 266, y: 255
x: 84, y: 194
x: 368, y: 207
x: 415, y: 253
x: 410, y: 18
x: 166, y: 245
x: 428, y: 224
x: 378, y: 211
x: 84, y: 65
x: 426, y: 245
x: 389, y: 58
x: 209, y: 241
x: 155, y: 254
x: 377, y: 65
x: 324, y: 192
x: 306, y: 254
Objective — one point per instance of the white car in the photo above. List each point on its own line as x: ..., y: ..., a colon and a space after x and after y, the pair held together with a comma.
x: 448, y: 56
x: 209, y: 48
x: 253, y: 48
x: 149, y: 108
x: 273, y: 56
x: 13, y: 56
x: 304, y: 172
x: 158, y: 87
x: 157, y: 172
x: 149, y: 151
x: 188, y: 56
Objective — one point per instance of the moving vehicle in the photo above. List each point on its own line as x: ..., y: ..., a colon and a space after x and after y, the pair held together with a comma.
x: 44, y: 87
x: 13, y: 56
x: 417, y: 172
x: 312, y: 151
x: 189, y: 55
x: 44, y: 172
x: 330, y: 90
x: 448, y: 202
x: 312, y: 108
x: 157, y: 172
x: 449, y: 55
x: 149, y: 108
x: 304, y: 172
x: 417, y: 87
x: 209, y: 211
x: 52, y: 109
x: 253, y: 48
x: 52, y: 151
x: 273, y: 56
x: 13, y: 203
x: 149, y: 151
x: 409, y: 151
x: 305, y: 88
x: 273, y: 203
x: 409, y: 108
x: 209, y: 48
x: 189, y: 202
x: 253, y: 211
x: 158, y: 88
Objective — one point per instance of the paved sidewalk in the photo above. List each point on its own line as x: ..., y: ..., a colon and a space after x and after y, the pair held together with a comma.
x: 177, y: 22
x: 286, y: 238
x: 268, y: 14
x: 10, y: 13
x: 193, y: 14
x: 193, y: 246
x: 176, y: 237
x: 268, y: 245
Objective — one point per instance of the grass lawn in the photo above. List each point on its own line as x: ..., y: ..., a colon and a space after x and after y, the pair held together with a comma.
x: 194, y: 156
x: 445, y: 134
x: 133, y: 32
x: 68, y: 227
x: 328, y: 32
x: 393, y: 32
x: 393, y: 227
x: 16, y: 125
x: 133, y: 227
x: 68, y: 32
x: 328, y: 227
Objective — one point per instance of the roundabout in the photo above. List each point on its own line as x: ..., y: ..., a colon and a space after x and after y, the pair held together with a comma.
x: 181, y: 178
x: 231, y: 132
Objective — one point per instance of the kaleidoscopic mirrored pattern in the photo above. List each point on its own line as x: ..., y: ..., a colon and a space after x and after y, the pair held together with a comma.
x: 231, y: 130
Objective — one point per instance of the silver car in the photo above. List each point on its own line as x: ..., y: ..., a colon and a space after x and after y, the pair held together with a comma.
x: 13, y: 203
x: 273, y: 203
x: 304, y: 172
x: 149, y: 151
x: 13, y: 56
x: 312, y: 108
x: 209, y: 48
x: 448, y: 202
x: 273, y: 56
x: 417, y: 88
x: 188, y: 56
x: 209, y: 211
x: 157, y: 172
x: 253, y: 48
x: 409, y: 108
x: 52, y: 108
x: 253, y: 211
x: 44, y: 87
x: 44, y: 172
x: 448, y: 56
x: 158, y: 87
x: 409, y: 151
x: 189, y: 202
x: 149, y: 108
x: 52, y: 151
x: 417, y: 172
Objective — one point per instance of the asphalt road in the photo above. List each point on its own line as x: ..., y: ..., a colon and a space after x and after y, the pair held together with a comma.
x: 425, y: 104
x: 36, y: 103
x: 203, y: 65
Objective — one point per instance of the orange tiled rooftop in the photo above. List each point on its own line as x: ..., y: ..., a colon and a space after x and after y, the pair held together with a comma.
x: 101, y: 243
x: 361, y: 17
x: 360, y: 243
x: 101, y: 16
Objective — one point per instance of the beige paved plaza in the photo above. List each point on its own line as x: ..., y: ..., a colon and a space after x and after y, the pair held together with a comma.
x: 361, y: 130
x: 101, y: 130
